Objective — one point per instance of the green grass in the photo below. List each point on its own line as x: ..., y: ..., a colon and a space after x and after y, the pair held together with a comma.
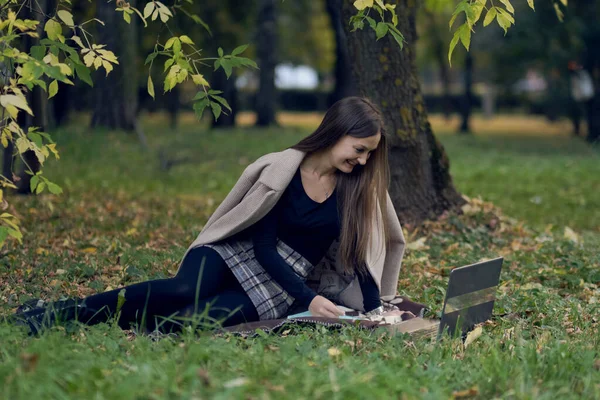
x: 123, y: 220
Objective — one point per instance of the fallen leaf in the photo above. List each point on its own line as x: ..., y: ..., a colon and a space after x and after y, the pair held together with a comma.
x: 473, y: 335
x: 334, y: 352
x: 418, y: 244
x: 571, y: 235
x: 532, y: 285
x: 90, y: 250
x: 465, y: 394
x: 29, y: 361
x: 237, y: 382
x: 204, y: 377
x: 60, y: 271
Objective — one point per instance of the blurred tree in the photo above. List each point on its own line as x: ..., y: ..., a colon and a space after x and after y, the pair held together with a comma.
x: 466, y: 102
x: 421, y: 186
x: 588, y: 13
x: 344, y: 82
x: 432, y: 44
x: 267, y: 52
x: 231, y: 23
x: 115, y: 104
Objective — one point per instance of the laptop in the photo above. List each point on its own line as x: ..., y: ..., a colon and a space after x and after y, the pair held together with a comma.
x: 469, y: 300
x: 470, y: 296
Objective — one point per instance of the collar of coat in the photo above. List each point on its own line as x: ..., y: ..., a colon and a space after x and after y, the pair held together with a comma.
x: 257, y: 191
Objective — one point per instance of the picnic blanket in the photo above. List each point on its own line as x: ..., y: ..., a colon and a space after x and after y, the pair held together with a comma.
x: 403, y: 324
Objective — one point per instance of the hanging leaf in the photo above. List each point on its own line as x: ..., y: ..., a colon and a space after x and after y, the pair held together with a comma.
x: 362, y: 4
x: 53, y: 29
x: 66, y: 17
x: 52, y: 89
x: 150, y: 86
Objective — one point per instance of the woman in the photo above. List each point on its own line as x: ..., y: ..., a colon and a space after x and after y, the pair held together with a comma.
x: 323, y: 199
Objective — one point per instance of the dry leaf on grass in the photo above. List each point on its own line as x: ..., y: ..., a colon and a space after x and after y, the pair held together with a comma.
x: 465, y: 394
x: 241, y: 381
x: 473, y: 335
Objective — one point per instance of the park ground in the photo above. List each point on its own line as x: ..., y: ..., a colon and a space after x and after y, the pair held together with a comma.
x: 534, y: 199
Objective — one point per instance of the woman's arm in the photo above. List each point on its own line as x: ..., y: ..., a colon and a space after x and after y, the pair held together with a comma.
x: 264, y: 237
x: 370, y: 292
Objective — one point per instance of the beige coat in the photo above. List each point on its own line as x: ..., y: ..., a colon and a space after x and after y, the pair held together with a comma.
x: 257, y: 191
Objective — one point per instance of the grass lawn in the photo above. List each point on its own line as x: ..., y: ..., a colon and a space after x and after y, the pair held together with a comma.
x: 122, y: 220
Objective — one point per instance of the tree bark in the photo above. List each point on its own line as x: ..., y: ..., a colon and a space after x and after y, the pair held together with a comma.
x: 344, y: 82
x: 421, y: 187
x: 467, y: 100
x: 266, y: 97
x: 116, y: 94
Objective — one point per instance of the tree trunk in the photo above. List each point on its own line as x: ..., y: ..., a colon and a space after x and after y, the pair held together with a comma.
x: 467, y: 100
x: 421, y: 186
x: 440, y: 57
x: 265, y: 103
x: 592, y: 65
x: 344, y: 83
x: 219, y: 80
x: 116, y: 94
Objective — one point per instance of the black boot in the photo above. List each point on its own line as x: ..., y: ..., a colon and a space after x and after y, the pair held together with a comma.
x: 36, y: 318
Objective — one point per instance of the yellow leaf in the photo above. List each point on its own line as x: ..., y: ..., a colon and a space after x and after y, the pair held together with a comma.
x: 571, y: 235
x: 107, y: 66
x: 199, y: 80
x: 66, y: 17
x: 150, y: 86
x: 108, y: 56
x: 12, y: 110
x: 362, y: 4
x: 334, y: 352
x: 4, y: 141
x: 380, y: 3
x: 17, y: 101
x: 418, y: 244
x: 22, y: 145
x: 98, y: 62
x: 88, y: 59
x: 52, y: 89
x: 90, y: 250
x: 53, y: 29
x: 186, y: 39
x: 473, y: 335
x: 52, y: 148
x: 65, y: 69
x: 77, y: 40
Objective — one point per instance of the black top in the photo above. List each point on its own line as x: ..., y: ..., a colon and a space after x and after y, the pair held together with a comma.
x: 309, y: 228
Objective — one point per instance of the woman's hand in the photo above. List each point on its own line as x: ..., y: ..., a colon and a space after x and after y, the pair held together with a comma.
x: 321, y: 307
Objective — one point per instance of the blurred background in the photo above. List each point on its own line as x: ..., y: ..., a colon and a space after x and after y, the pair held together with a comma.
x: 513, y: 120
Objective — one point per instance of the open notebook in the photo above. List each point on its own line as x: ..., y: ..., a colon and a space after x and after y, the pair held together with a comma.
x: 344, y: 309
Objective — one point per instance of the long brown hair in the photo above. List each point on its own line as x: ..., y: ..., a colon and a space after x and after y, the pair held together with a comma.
x: 358, y: 192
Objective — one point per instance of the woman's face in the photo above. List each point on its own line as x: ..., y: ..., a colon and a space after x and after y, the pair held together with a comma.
x: 350, y: 151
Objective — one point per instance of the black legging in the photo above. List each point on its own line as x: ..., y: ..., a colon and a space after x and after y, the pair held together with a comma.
x: 165, y: 297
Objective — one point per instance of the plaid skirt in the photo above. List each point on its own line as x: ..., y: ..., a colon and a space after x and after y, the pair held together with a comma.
x: 268, y: 297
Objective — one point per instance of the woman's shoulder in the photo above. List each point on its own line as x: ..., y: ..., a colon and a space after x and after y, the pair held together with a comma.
x: 277, y: 156
x: 274, y: 170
